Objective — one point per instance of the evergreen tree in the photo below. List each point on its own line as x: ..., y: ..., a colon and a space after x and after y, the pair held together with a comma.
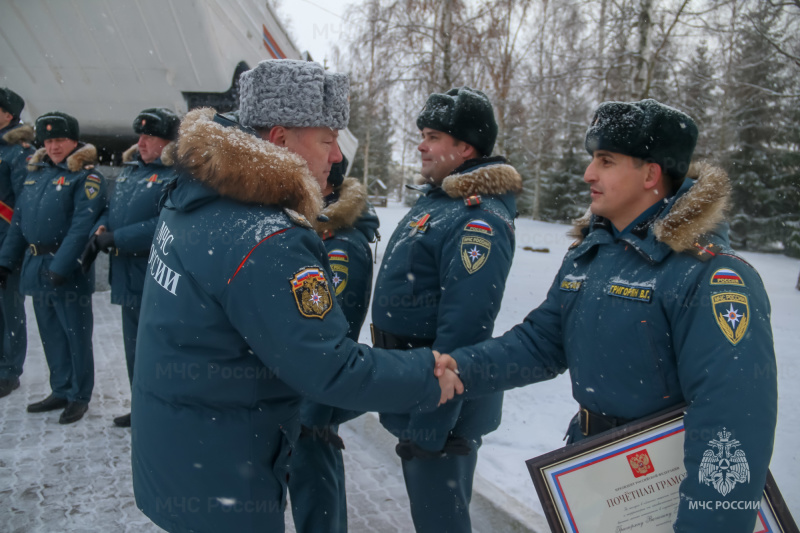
x: 754, y: 163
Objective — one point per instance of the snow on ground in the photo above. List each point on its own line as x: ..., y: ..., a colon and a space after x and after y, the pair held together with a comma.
x: 535, y: 417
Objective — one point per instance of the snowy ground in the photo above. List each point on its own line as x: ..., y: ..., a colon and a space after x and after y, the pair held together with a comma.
x: 535, y: 417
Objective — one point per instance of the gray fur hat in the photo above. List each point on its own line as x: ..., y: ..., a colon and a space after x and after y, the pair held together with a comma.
x: 295, y: 94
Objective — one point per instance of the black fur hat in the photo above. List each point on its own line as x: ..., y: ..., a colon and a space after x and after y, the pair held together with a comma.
x: 158, y: 122
x: 647, y: 130
x: 11, y: 102
x: 464, y: 113
x: 56, y: 125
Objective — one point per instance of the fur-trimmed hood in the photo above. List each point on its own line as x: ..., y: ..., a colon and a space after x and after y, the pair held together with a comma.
x: 239, y: 165
x: 696, y: 209
x: 168, y: 155
x: 492, y: 177
x: 23, y: 135
x: 84, y: 156
x: 344, y: 212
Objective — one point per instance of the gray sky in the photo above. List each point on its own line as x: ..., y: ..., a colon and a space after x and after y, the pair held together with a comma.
x: 315, y: 25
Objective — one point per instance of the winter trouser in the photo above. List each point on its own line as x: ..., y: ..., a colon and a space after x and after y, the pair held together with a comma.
x: 65, y: 327
x: 440, y: 491
x: 130, y: 328
x: 317, y: 487
x: 13, y: 330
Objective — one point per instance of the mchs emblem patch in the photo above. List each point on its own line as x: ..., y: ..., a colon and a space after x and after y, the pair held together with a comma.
x: 311, y: 292
x: 732, y: 314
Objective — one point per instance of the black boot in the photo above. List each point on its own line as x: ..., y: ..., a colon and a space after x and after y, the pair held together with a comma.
x: 123, y: 421
x: 8, y: 385
x: 73, y: 412
x: 51, y: 403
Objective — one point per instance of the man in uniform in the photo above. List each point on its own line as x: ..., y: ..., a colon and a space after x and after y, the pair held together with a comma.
x: 440, y: 285
x: 652, y: 309
x: 238, y: 316
x: 317, y: 484
x: 61, y: 198
x: 15, y: 150
x: 126, y: 228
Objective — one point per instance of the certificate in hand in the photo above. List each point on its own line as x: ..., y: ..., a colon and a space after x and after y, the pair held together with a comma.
x: 627, y: 480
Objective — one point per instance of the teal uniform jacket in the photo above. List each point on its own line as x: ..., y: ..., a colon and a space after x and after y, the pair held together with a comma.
x: 15, y: 152
x: 238, y: 324
x: 442, y: 284
x: 132, y: 214
x: 58, y: 206
x: 661, y: 315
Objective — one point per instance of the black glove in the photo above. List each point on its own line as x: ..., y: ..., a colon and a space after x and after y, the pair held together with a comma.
x: 105, y: 241
x: 89, y: 254
x: 4, y: 272
x: 408, y: 450
x: 326, y: 435
x: 55, y: 278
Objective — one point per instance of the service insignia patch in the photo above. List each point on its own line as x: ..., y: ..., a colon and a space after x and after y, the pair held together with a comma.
x: 311, y: 292
x: 94, y: 178
x: 91, y: 189
x: 571, y: 283
x: 474, y: 252
x: 732, y: 314
x: 726, y: 276
x: 340, y: 274
x: 479, y: 226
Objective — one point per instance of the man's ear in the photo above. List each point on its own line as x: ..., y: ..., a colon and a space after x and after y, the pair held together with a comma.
x: 277, y: 135
x: 467, y: 151
x: 654, y: 175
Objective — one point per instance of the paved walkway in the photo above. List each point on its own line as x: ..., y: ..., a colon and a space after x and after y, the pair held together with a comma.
x: 77, y: 478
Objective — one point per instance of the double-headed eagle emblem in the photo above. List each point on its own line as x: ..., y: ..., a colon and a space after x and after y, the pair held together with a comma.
x: 725, y: 468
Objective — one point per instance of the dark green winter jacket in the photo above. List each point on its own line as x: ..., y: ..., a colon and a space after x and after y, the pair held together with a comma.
x: 131, y: 214
x: 239, y: 322
x: 443, y: 283
x: 58, y: 206
x: 665, y: 314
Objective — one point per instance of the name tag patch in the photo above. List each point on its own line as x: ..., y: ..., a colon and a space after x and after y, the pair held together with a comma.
x: 571, y: 284
x: 630, y: 292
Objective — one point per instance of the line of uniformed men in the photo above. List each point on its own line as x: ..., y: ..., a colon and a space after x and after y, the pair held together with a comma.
x: 56, y: 217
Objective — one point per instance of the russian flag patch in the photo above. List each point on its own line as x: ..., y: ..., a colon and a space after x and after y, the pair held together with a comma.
x: 338, y: 255
x: 726, y: 276
x: 479, y: 226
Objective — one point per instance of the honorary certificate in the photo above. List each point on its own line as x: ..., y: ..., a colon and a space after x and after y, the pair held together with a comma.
x: 627, y: 480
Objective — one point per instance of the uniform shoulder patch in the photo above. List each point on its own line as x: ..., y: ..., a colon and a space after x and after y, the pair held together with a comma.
x: 311, y: 293
x: 479, y: 226
x: 94, y: 177
x: 474, y: 252
x: 92, y: 189
x: 726, y: 276
x: 732, y: 314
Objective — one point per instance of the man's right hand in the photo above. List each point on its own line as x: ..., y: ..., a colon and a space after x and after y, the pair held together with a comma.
x: 448, y: 379
x: 444, y: 362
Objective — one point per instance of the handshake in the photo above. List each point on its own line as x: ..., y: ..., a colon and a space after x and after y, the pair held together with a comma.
x: 446, y: 370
